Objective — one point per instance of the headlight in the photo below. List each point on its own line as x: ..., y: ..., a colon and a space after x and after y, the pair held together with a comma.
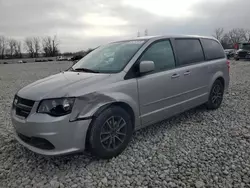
x: 56, y: 107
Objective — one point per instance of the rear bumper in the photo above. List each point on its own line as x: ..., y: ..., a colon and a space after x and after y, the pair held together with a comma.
x: 65, y: 136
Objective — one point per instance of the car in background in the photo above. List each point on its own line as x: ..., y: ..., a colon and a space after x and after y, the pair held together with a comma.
x: 61, y: 58
x: 22, y: 61
x: 69, y: 58
x: 243, y: 51
x: 229, y: 53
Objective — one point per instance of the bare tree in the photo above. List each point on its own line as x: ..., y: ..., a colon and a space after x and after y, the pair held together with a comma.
x: 28, y: 45
x: 218, y: 33
x: 47, y: 48
x: 36, y: 45
x: 232, y: 37
x: 237, y: 35
x: 32, y: 46
x: 3, y: 44
x: 11, y: 46
x: 55, y: 44
x: 225, y: 41
x: 248, y: 35
x: 17, y: 49
x: 50, y: 46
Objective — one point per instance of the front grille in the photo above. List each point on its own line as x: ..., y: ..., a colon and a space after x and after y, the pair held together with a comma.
x: 36, y: 142
x: 23, y: 106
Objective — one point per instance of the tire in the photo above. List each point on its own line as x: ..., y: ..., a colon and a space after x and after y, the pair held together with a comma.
x: 236, y: 59
x: 110, y: 133
x: 216, y: 95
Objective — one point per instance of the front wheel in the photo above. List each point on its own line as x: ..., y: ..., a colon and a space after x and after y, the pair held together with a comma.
x: 216, y: 95
x: 110, y: 132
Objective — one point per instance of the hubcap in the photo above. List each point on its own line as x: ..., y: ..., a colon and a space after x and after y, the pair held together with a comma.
x: 217, y: 94
x: 113, y: 132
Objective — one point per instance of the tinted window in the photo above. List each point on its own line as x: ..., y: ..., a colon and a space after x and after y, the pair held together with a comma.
x: 212, y: 49
x: 161, y: 54
x: 189, y: 51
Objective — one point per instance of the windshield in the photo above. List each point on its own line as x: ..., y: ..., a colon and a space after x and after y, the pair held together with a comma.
x: 246, y: 46
x: 110, y: 58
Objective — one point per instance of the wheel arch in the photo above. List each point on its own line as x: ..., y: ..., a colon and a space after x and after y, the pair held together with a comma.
x: 222, y: 80
x: 218, y: 76
x: 121, y: 104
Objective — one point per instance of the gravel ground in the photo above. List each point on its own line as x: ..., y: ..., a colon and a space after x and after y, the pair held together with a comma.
x: 198, y: 148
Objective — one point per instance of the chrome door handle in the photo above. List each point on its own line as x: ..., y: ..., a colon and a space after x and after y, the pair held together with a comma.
x: 187, y: 73
x: 175, y: 76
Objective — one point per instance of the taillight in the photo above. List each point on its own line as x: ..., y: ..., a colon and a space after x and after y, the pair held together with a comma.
x: 228, y: 65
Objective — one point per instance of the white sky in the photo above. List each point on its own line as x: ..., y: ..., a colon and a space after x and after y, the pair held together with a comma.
x: 82, y: 24
x: 166, y: 8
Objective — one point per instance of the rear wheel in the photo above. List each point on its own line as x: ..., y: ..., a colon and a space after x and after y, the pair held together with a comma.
x: 110, y: 133
x: 216, y: 95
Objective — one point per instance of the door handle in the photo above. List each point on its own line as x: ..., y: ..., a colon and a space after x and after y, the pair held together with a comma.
x: 175, y: 76
x: 187, y: 73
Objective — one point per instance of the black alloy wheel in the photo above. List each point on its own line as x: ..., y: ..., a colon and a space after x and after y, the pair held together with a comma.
x: 216, y: 95
x: 110, y: 132
x: 113, y: 132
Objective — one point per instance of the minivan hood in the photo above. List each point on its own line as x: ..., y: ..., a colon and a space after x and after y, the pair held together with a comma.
x: 58, y: 85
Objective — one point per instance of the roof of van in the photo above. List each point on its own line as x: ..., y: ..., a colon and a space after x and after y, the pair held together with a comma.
x: 169, y: 36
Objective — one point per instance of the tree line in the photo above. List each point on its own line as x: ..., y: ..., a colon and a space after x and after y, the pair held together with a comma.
x: 12, y: 48
x: 232, y: 37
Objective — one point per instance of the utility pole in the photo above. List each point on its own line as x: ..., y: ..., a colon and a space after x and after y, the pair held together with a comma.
x: 53, y: 47
x: 138, y: 34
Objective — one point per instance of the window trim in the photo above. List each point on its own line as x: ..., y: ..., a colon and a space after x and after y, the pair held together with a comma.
x: 202, y: 42
x: 178, y: 65
x: 132, y: 74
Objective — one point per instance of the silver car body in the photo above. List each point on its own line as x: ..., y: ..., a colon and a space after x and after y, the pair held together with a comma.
x: 150, y: 98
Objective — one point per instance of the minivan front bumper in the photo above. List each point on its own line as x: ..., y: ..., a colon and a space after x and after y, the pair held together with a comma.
x: 49, y: 135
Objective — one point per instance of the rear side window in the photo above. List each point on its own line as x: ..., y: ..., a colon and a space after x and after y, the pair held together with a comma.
x: 212, y: 49
x: 189, y: 51
x: 161, y: 54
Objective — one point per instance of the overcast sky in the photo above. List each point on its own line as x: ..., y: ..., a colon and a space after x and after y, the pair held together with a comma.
x: 82, y: 24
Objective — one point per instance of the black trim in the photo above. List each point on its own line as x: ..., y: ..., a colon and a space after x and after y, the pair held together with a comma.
x: 37, y: 142
x: 80, y: 119
x: 134, y: 69
x: 22, y: 106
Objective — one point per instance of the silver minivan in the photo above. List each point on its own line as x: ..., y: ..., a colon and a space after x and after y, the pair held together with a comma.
x: 118, y: 88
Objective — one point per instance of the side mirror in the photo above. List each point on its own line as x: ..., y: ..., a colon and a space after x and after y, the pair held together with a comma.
x: 146, y: 66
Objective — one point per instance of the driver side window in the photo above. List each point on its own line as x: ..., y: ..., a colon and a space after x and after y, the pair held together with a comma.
x: 161, y: 54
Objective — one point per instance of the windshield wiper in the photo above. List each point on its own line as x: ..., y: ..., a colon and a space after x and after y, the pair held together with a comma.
x: 84, y: 70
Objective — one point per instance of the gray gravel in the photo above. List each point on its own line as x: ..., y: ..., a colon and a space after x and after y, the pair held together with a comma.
x: 198, y: 148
